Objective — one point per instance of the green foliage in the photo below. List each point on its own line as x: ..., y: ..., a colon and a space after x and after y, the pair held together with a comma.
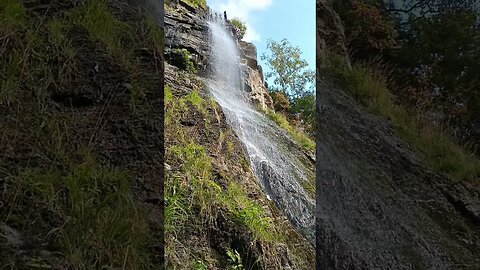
x: 12, y: 15
x: 249, y: 213
x: 235, y: 260
x: 368, y: 30
x: 371, y: 88
x: 240, y: 25
x: 102, y: 25
x: 181, y: 57
x: 289, y: 72
x: 434, y: 45
x: 104, y: 227
x: 305, y: 107
x: 154, y: 34
x: 200, y: 265
x: 196, y: 3
x: 280, y: 102
x: 192, y: 195
x: 299, y: 136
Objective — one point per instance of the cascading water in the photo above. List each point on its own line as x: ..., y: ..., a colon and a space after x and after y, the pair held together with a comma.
x: 278, y: 170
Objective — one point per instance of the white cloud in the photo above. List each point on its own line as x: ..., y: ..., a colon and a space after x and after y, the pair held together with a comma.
x: 251, y: 35
x: 242, y: 9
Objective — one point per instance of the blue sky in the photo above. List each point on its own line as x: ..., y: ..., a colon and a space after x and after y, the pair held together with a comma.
x: 275, y: 19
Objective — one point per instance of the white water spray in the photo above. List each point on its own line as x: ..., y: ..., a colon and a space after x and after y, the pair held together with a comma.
x: 269, y: 148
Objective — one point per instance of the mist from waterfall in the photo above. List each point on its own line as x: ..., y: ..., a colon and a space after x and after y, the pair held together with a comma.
x: 278, y: 171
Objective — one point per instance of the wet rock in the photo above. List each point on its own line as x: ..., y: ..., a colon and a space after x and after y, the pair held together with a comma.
x: 378, y: 205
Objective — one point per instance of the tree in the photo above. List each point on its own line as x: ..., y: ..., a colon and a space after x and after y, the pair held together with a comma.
x: 240, y: 25
x: 369, y: 30
x: 280, y: 102
x: 305, y: 107
x: 288, y: 70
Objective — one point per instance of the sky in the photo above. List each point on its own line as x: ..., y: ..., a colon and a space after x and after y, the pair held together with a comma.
x: 274, y: 19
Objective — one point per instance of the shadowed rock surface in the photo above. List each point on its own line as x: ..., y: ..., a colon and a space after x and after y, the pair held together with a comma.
x: 378, y: 205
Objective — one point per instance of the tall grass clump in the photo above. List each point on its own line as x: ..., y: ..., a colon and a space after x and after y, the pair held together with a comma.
x: 302, y: 138
x: 103, y: 228
x: 96, y: 18
x: 12, y: 16
x: 369, y: 83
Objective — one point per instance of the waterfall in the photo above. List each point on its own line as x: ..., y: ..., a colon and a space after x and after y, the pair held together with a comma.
x: 278, y: 171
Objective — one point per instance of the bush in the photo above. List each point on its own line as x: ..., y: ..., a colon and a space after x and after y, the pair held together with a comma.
x: 305, y: 107
x: 181, y: 59
x: 240, y: 25
x: 369, y: 85
x: 280, y: 102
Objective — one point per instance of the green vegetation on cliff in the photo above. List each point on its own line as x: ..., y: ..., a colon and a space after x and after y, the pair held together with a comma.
x: 369, y: 84
x: 208, y: 205
x: 73, y: 80
x: 240, y: 25
x: 434, y: 47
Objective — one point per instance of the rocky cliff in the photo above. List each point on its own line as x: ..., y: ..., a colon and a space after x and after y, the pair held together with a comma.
x: 379, y: 206
x: 81, y: 117
x: 330, y: 32
x: 230, y: 214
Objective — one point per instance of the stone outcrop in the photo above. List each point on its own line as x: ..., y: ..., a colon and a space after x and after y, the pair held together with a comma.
x: 330, y: 32
x: 254, y: 84
x: 187, y: 29
x: 253, y: 74
x: 378, y: 205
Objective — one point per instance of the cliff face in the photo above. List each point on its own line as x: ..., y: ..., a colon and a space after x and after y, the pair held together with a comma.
x: 253, y: 76
x: 81, y: 145
x: 378, y: 205
x: 330, y: 32
x: 237, y: 216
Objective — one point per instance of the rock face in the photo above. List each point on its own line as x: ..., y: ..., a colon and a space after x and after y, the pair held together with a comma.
x: 254, y: 82
x: 330, y: 32
x: 378, y: 206
x: 255, y: 85
x: 188, y: 29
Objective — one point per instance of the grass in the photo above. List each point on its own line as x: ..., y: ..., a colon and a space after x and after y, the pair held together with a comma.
x: 101, y: 225
x: 12, y: 15
x: 96, y: 18
x: 182, y: 57
x: 370, y: 86
x: 104, y: 227
x: 192, y: 196
x: 196, y: 3
x: 303, y: 139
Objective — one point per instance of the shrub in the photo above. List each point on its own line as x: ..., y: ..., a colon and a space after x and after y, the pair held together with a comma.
x: 369, y: 85
x: 181, y: 59
x: 305, y: 107
x: 280, y: 102
x: 240, y: 25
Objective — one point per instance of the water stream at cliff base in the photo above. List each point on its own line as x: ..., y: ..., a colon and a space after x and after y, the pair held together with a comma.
x: 278, y: 171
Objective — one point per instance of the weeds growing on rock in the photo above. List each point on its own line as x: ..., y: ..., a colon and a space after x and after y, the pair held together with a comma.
x: 369, y: 84
x: 104, y: 226
x: 307, y: 143
x: 193, y: 196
